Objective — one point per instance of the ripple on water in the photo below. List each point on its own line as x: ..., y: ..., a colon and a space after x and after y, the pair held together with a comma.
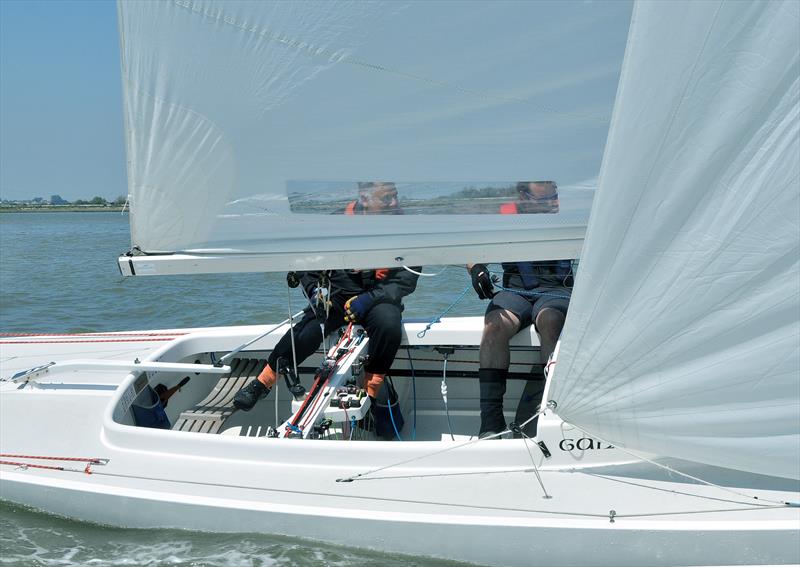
x: 32, y: 538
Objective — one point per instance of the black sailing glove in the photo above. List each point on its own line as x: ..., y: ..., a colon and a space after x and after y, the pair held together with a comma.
x: 482, y: 281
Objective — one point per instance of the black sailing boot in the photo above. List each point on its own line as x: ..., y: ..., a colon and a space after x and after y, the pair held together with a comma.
x: 529, y: 405
x: 248, y: 396
x: 493, y: 387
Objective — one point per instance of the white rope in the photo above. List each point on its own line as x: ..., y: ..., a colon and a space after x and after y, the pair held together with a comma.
x: 424, y: 275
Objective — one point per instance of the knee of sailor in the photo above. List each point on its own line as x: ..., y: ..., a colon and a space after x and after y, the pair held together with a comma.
x: 550, y: 321
x: 500, y: 323
x: 385, y: 316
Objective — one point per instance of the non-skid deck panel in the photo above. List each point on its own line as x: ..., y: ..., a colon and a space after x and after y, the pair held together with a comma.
x: 209, y: 415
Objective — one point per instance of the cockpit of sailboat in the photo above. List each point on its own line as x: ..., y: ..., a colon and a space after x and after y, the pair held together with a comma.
x: 447, y: 357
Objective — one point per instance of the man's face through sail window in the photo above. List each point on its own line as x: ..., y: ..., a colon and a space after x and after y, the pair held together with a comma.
x: 378, y: 197
x: 537, y: 197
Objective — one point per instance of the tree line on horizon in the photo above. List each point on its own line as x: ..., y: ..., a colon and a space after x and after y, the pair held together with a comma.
x: 95, y: 201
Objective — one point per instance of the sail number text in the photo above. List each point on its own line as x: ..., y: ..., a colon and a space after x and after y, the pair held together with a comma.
x: 583, y: 444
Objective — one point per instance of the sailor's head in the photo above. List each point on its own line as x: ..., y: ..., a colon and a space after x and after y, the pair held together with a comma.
x: 537, y: 190
x: 377, y: 196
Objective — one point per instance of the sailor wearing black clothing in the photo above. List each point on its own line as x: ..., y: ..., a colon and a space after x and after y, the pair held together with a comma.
x: 371, y: 298
x: 539, y: 294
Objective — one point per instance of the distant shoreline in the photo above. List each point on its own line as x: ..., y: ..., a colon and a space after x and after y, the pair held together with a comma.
x: 61, y: 209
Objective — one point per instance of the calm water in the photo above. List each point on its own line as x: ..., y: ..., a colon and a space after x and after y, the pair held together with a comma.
x: 58, y: 274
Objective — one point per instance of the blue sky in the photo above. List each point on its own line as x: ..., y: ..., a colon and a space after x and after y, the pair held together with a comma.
x: 61, y: 128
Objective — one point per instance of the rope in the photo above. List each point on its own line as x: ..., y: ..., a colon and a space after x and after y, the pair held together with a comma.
x: 444, y: 397
x: 87, y: 469
x: 80, y: 342
x: 438, y: 318
x: 391, y: 416
x: 413, y: 393
x: 416, y: 273
x: 291, y: 327
x: 142, y: 334
x: 92, y: 460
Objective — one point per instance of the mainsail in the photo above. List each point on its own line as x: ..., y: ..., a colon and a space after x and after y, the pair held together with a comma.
x: 244, y: 119
x: 683, y: 334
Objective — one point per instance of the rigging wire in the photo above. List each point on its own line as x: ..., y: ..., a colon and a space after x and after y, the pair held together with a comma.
x: 419, y: 502
x: 238, y: 349
x: 533, y: 462
x: 360, y: 476
x: 750, y: 506
x: 686, y: 475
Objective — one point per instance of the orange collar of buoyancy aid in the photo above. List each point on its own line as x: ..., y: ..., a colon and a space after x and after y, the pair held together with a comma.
x: 509, y: 209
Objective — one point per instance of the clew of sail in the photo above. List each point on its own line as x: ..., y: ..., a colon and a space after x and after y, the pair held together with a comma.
x: 683, y: 333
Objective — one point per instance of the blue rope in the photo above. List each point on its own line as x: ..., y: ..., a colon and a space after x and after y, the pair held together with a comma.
x: 414, y: 394
x: 438, y: 318
x: 391, y: 416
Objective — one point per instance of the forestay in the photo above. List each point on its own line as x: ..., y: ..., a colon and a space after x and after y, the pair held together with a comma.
x: 682, y: 337
x: 248, y: 123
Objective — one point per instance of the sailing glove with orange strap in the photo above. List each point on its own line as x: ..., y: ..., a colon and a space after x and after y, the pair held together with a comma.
x: 357, y: 307
x: 482, y: 281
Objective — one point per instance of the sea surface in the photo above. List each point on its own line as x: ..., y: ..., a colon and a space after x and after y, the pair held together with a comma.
x: 58, y: 274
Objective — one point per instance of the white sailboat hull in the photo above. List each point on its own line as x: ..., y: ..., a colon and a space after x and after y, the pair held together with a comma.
x: 477, y: 502
x: 491, y: 540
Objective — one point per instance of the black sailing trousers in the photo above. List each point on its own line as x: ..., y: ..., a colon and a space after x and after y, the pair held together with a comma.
x: 383, y: 324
